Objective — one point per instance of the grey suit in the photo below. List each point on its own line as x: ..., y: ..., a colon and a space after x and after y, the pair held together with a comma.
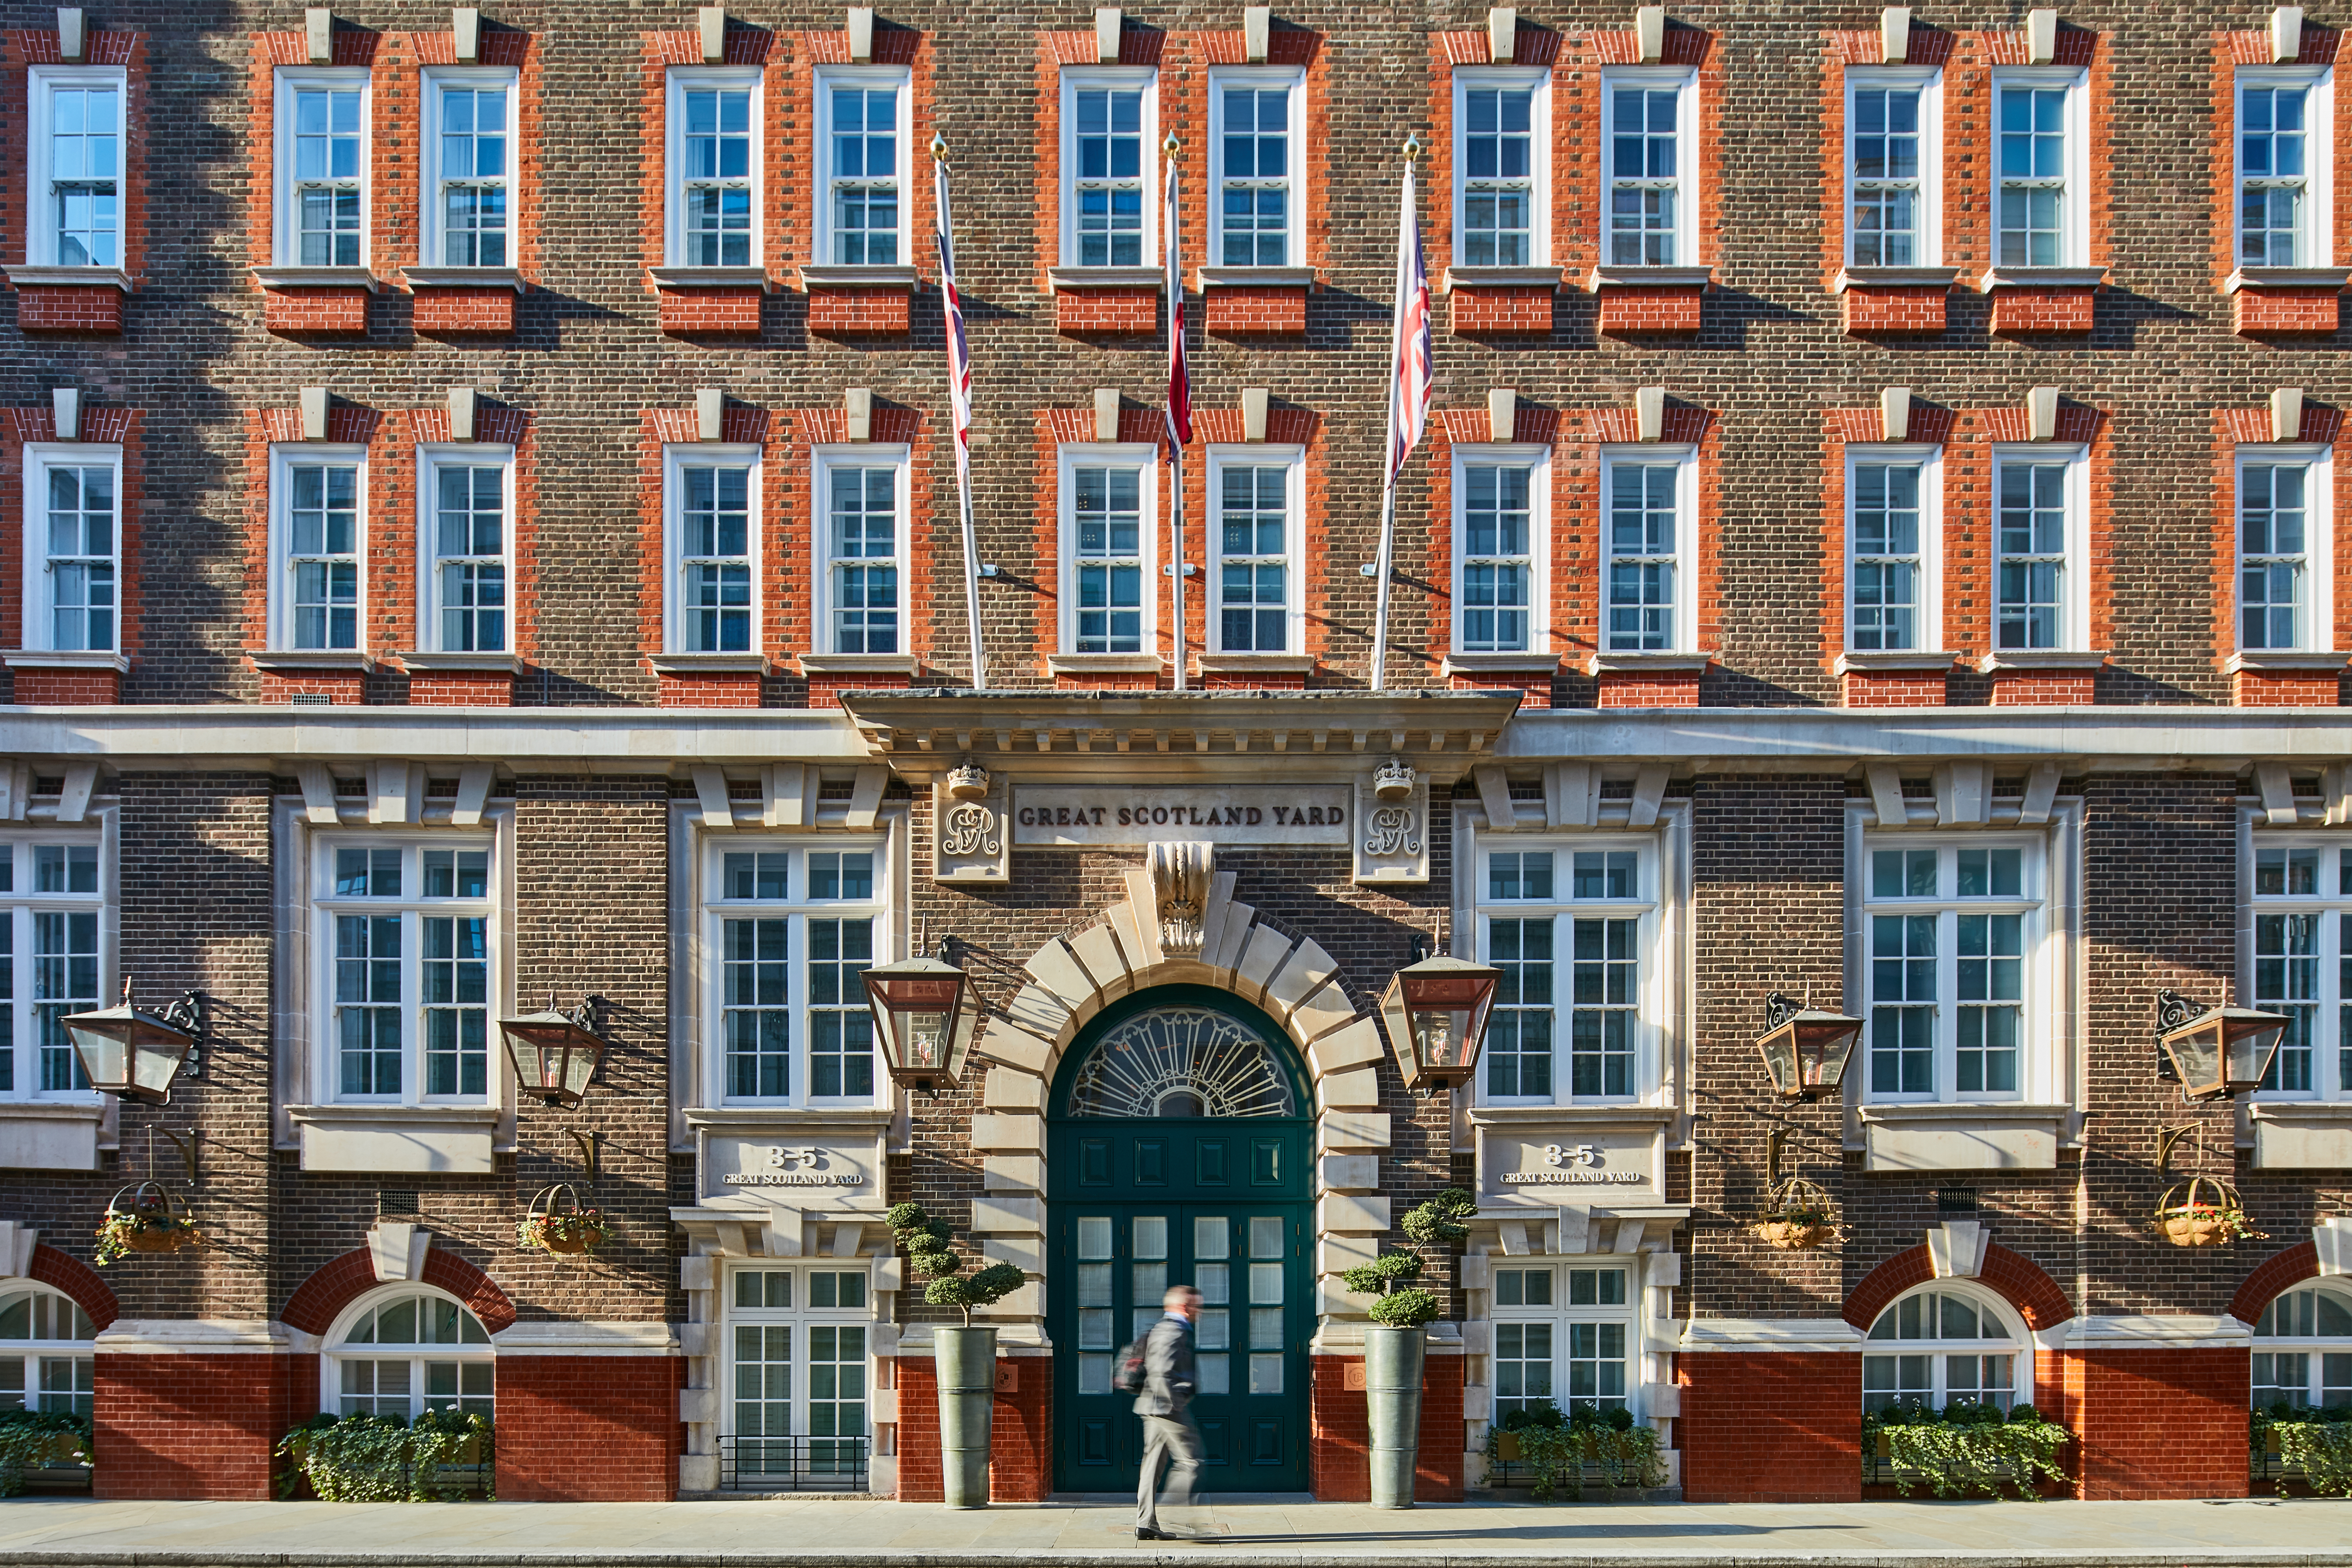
x: 1168, y: 1429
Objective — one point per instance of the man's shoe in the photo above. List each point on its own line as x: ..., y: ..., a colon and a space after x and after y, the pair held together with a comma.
x: 1142, y: 1534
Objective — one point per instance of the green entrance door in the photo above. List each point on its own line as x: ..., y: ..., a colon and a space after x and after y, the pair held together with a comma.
x: 1178, y: 1155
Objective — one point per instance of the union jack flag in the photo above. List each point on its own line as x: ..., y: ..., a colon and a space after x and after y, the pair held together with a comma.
x: 959, y: 351
x: 1180, y: 372
x: 1412, y: 366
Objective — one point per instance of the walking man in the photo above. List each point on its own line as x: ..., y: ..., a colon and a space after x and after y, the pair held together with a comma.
x: 1168, y: 1429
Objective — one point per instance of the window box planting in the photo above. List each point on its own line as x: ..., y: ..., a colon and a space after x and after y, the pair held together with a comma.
x: 571, y: 1231
x: 2312, y: 1445
x: 1965, y: 1447
x: 2203, y: 1213
x: 443, y: 1457
x: 51, y: 1441
x: 1585, y: 1447
x: 144, y: 1218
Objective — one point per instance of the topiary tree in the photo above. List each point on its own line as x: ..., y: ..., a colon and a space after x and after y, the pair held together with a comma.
x: 1390, y: 1278
x: 927, y: 1243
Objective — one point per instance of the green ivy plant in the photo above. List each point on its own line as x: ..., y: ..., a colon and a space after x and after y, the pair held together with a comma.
x: 1556, y: 1449
x: 2316, y: 1442
x: 29, y: 1437
x: 1969, y: 1448
x: 1398, y: 1303
x: 382, y: 1458
x: 929, y: 1251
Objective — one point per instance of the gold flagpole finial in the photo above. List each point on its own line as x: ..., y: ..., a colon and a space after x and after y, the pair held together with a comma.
x: 939, y: 148
x: 1170, y: 145
x: 1412, y: 147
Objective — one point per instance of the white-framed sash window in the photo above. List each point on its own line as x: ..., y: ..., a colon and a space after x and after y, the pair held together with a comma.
x: 1109, y: 503
x: 1564, y: 1336
x: 1649, y: 540
x: 797, y: 1371
x: 407, y: 960
x: 790, y: 928
x: 47, y: 1353
x: 323, y: 149
x: 1502, y: 149
x: 861, y: 528
x: 1894, y: 119
x: 2303, y: 1350
x: 1649, y: 215
x: 1501, y: 542
x: 2300, y: 953
x: 711, y: 497
x: 405, y: 1350
x: 466, y: 498
x: 1573, y: 927
x: 2041, y: 526
x: 73, y: 546
x: 469, y: 165
x: 56, y: 951
x: 75, y: 154
x: 2284, y: 165
x: 1954, y: 933
x: 1110, y: 129
x: 1942, y: 1346
x: 1257, y: 137
x: 1894, y: 498
x: 2286, y: 597
x: 715, y: 167
x: 318, y: 511
x: 2041, y: 167
x: 1257, y: 501
x: 865, y: 115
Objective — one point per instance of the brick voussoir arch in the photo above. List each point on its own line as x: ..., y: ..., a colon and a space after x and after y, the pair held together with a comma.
x: 2271, y: 1278
x: 2014, y: 1277
x: 64, y: 1272
x: 337, y: 1283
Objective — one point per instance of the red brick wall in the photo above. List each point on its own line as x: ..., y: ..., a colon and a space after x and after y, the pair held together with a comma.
x: 1020, y: 1435
x: 1503, y: 312
x: 1106, y: 312
x: 2285, y: 312
x: 335, y: 1285
x: 1637, y: 311
x: 195, y: 1426
x: 1892, y: 689
x: 1677, y: 689
x: 2043, y: 687
x: 464, y: 312
x: 1262, y: 312
x: 2248, y: 687
x: 2272, y: 1276
x: 42, y: 308
x: 2159, y: 1423
x: 68, y: 688
x: 588, y: 1429
x: 2025, y: 312
x: 921, y: 1476
x: 1771, y: 1427
x: 1339, y: 1454
x: 77, y: 1280
x: 1894, y: 312
x: 460, y: 689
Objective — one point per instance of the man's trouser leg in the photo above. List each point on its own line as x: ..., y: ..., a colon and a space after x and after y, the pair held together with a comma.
x: 1183, y: 1444
x: 1147, y: 1485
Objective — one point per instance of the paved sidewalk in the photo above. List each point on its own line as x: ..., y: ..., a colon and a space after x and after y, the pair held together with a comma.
x: 1269, y: 1532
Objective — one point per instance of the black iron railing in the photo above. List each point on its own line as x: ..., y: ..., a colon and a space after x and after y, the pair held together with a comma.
x: 791, y: 1464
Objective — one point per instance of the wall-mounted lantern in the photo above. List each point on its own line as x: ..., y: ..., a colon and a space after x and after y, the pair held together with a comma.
x: 555, y: 1054
x: 135, y: 1055
x: 1806, y: 1049
x: 1436, y: 1011
x: 2218, y: 1053
x: 926, y: 1015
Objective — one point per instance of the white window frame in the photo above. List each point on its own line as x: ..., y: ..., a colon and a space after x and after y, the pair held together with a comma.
x: 1097, y: 454
x: 822, y: 460
x: 284, y: 458
x: 1687, y: 195
x: 1537, y: 458
x: 677, y: 457
x: 432, y: 634
x: 716, y: 909
x: 2330, y: 1083
x: 413, y: 907
x: 438, y: 80
x: 1561, y: 1316
x: 2018, y: 1343
x: 286, y: 201
x: 39, y: 629
x: 18, y: 907
x: 1656, y: 980
x: 1930, y: 613
x: 800, y: 1318
x: 2074, y: 207
x: 41, y: 228
x: 2312, y: 1347
x: 826, y: 79
x: 1294, y: 496
x: 2317, y: 633
x: 333, y: 1351
x: 1687, y: 523
x: 34, y: 1356
x: 2316, y: 242
x: 682, y: 79
x: 1928, y: 82
x: 1097, y: 78
x: 1537, y: 80
x: 2075, y: 603
x: 1296, y: 162
x: 2039, y: 1072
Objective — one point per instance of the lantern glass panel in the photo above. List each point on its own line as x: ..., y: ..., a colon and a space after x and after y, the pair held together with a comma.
x: 157, y: 1057
x: 105, y: 1055
x: 2251, y: 1049
x: 2196, y: 1053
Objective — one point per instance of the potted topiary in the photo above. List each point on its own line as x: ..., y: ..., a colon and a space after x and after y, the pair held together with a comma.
x: 569, y: 1231
x: 1397, y: 1344
x: 965, y: 1357
x: 144, y: 1218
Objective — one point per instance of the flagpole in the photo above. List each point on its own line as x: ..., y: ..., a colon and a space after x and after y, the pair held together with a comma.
x: 959, y: 400
x: 1179, y: 406
x: 1389, y: 452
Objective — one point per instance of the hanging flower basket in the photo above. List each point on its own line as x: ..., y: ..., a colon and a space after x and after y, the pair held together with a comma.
x: 144, y: 1217
x: 2203, y: 1213
x: 556, y: 1223
x: 1797, y: 1217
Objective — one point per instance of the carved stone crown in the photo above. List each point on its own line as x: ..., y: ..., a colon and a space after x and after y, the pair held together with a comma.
x: 969, y: 781
x: 1394, y: 779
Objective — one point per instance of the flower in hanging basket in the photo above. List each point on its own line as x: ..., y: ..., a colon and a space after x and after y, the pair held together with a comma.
x: 571, y: 1233
x: 1795, y: 1231
x: 147, y: 1220
x: 2205, y: 1212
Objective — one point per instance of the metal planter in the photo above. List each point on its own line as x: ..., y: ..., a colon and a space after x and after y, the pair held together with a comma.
x: 1392, y: 1368
x: 965, y: 1363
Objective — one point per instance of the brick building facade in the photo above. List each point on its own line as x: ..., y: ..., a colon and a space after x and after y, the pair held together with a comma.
x: 489, y: 528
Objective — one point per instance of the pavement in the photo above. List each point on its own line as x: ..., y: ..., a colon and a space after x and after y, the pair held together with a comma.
x: 1272, y: 1531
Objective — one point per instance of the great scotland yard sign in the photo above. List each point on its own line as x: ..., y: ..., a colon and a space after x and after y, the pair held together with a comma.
x: 1142, y: 814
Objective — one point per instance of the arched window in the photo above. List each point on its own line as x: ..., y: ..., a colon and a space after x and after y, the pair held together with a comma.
x: 1939, y: 1346
x: 1181, y: 1062
x: 46, y: 1353
x: 2303, y: 1353
x: 402, y: 1351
